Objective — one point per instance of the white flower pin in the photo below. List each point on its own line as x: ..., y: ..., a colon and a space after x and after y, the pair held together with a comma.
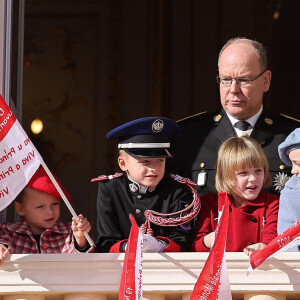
x: 280, y: 180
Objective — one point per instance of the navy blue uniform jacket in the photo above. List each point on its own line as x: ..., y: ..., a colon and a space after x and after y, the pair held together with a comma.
x: 116, y: 201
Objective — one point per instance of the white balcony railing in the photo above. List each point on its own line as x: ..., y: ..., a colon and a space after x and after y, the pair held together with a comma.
x: 166, y: 276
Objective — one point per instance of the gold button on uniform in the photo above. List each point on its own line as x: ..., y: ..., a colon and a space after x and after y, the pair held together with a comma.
x: 281, y: 167
x: 202, y: 165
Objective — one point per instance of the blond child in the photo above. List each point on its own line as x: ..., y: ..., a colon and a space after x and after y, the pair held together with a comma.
x: 242, y: 172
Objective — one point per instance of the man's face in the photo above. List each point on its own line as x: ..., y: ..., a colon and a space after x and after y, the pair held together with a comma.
x: 240, y: 61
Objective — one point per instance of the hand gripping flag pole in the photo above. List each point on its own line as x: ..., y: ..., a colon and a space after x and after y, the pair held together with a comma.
x: 288, y: 239
x: 63, y: 196
x: 19, y: 160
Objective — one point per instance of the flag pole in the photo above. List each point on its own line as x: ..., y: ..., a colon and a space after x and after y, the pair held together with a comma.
x: 63, y: 196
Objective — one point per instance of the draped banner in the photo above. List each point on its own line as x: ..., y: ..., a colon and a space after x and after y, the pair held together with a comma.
x: 288, y: 239
x: 213, y: 282
x: 131, y: 285
x: 19, y: 159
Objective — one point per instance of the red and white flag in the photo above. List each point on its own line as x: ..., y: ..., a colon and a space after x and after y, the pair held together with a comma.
x: 288, y: 239
x: 131, y: 285
x: 213, y: 282
x: 19, y: 159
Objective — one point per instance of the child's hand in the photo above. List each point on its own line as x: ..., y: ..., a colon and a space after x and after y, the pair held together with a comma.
x: 252, y: 248
x: 4, y: 252
x: 80, y: 226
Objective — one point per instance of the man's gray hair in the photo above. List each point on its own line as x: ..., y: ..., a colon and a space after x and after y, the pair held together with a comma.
x: 260, y: 49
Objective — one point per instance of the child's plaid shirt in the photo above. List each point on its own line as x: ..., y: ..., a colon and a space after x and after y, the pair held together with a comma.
x: 58, y: 239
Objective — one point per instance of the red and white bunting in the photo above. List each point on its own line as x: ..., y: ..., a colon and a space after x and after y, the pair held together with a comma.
x: 288, y: 239
x: 19, y: 159
x: 213, y: 282
x: 131, y: 285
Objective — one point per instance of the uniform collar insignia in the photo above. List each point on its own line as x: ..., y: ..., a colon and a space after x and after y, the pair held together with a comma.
x: 145, y: 189
x: 135, y: 187
x: 151, y: 189
x: 269, y: 121
x: 217, y: 118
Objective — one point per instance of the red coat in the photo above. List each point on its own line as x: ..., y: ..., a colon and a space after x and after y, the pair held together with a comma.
x: 252, y: 223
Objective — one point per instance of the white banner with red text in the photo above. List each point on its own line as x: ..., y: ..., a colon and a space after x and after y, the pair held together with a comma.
x: 288, y: 239
x: 19, y: 159
x: 213, y: 282
x: 131, y: 285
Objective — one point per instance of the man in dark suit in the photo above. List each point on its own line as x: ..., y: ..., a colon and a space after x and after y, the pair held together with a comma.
x: 244, y: 78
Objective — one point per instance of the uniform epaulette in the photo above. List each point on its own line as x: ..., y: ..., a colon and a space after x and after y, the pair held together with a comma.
x: 192, y: 116
x: 105, y: 177
x: 291, y: 118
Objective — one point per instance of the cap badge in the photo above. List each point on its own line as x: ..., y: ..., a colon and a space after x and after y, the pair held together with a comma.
x: 157, y: 125
x: 217, y: 118
x: 269, y: 121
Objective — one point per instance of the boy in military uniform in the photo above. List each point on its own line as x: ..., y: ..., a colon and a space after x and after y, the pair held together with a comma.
x: 142, y: 186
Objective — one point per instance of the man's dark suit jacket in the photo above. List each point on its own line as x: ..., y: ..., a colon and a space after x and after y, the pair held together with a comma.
x: 196, y: 148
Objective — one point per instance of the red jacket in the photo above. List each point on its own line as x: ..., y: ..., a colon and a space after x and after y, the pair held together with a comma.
x: 252, y: 223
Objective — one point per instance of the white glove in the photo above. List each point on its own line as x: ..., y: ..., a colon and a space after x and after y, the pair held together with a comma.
x: 151, y: 244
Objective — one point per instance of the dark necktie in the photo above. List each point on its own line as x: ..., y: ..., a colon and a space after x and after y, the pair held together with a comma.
x: 242, y: 125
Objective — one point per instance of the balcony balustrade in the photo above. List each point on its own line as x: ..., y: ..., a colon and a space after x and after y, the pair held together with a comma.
x: 166, y: 276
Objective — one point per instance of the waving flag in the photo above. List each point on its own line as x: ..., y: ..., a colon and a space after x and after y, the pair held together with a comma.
x: 288, y: 239
x: 19, y: 159
x: 131, y: 286
x: 213, y: 282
